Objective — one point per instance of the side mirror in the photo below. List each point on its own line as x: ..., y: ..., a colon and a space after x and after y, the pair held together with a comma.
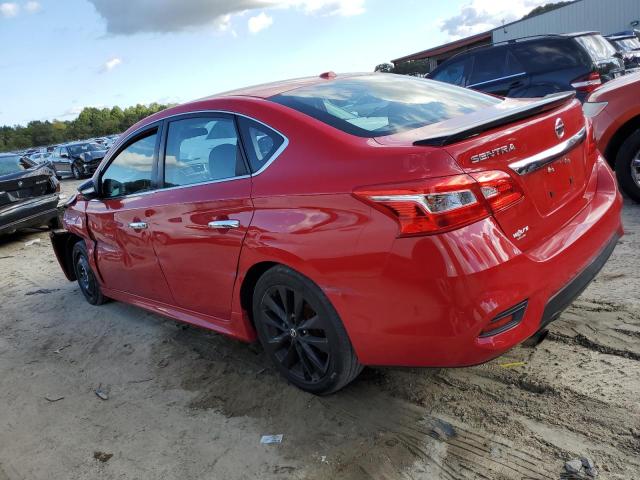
x: 64, y: 155
x: 89, y: 189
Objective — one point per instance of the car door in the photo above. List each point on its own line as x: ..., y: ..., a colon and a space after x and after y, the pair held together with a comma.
x: 496, y: 71
x: 202, y: 212
x: 119, y: 220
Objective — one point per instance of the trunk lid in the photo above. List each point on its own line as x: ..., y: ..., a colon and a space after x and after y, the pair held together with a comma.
x: 21, y: 186
x: 542, y: 144
x: 548, y: 159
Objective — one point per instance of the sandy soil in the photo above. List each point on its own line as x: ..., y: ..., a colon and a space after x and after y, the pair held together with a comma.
x: 190, y: 404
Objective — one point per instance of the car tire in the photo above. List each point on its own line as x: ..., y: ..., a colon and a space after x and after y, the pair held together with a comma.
x: 628, y: 166
x: 75, y: 172
x: 87, y: 280
x: 302, y: 333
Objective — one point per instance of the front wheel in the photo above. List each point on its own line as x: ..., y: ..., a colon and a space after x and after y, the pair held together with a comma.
x: 75, y: 171
x: 85, y: 276
x: 628, y: 166
x: 302, y: 333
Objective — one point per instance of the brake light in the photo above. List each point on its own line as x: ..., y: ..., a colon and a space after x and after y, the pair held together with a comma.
x: 442, y: 204
x: 498, y: 189
x: 587, y: 83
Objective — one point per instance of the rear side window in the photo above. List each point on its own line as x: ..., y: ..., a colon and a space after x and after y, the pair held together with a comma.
x: 597, y: 47
x: 550, y: 54
x: 454, y: 73
x: 383, y: 104
x: 260, y: 142
x: 132, y: 169
x: 201, y: 150
x: 489, y: 64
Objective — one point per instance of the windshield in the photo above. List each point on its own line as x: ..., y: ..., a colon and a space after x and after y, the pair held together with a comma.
x: 383, y: 104
x: 597, y: 46
x: 12, y: 164
x: 85, y: 147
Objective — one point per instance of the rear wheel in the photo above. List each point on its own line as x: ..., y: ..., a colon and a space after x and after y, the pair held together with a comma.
x: 628, y: 166
x: 302, y: 333
x: 86, y: 278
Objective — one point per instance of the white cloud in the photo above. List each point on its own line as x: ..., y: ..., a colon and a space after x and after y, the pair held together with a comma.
x: 33, y: 7
x: 111, y: 64
x: 478, y: 16
x: 345, y: 8
x: 259, y: 22
x: 128, y: 17
x: 9, y: 9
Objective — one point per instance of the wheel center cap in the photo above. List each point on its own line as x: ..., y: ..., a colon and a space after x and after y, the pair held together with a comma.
x: 293, y: 333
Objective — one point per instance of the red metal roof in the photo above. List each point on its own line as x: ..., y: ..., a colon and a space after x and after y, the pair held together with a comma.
x: 447, y: 47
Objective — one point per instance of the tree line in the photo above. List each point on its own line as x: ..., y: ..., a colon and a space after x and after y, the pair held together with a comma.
x: 92, y: 122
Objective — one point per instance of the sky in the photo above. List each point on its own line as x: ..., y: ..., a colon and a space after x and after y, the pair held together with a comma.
x: 58, y: 56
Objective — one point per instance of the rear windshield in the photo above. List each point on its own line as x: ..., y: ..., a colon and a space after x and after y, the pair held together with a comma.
x: 12, y: 164
x: 628, y: 44
x: 597, y: 46
x: 383, y: 104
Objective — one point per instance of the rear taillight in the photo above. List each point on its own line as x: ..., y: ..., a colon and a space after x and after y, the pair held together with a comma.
x: 498, y: 189
x: 587, y: 83
x: 441, y: 204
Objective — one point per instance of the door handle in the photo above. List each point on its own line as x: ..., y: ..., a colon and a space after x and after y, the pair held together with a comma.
x: 138, y: 225
x: 224, y: 224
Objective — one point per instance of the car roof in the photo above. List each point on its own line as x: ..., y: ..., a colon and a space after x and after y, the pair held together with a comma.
x: 620, y: 37
x: 267, y: 90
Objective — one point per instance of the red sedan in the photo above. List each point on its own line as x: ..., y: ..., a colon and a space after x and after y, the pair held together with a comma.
x: 350, y: 220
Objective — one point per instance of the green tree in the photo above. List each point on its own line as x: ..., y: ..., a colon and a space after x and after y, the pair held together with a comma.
x: 91, y: 122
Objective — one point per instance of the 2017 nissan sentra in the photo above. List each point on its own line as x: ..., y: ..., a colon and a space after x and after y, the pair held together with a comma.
x: 350, y: 220
x: 28, y: 194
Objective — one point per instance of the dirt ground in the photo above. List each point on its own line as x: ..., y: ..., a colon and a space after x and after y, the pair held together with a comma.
x: 190, y: 404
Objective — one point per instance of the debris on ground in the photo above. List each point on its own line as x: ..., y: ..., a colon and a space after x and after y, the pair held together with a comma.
x: 42, y: 291
x: 31, y: 242
x: 59, y: 350
x: 103, y: 395
x: 53, y: 398
x: 576, y: 466
x: 102, y: 456
x: 267, y: 439
x: 512, y: 364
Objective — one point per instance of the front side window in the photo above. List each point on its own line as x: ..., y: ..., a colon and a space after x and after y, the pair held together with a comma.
x: 383, y: 104
x: 201, y: 150
x: 261, y: 143
x: 132, y: 169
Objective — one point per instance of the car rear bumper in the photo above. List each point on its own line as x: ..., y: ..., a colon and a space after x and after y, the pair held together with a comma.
x: 437, y: 295
x: 29, y: 213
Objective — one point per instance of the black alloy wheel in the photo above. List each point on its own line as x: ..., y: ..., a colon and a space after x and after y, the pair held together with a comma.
x: 302, y: 333
x: 87, y: 281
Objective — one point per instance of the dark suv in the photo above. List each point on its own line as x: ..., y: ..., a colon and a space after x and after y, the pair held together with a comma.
x: 79, y: 159
x: 535, y: 66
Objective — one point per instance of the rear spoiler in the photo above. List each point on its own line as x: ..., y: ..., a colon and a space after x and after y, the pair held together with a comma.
x: 530, y: 109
